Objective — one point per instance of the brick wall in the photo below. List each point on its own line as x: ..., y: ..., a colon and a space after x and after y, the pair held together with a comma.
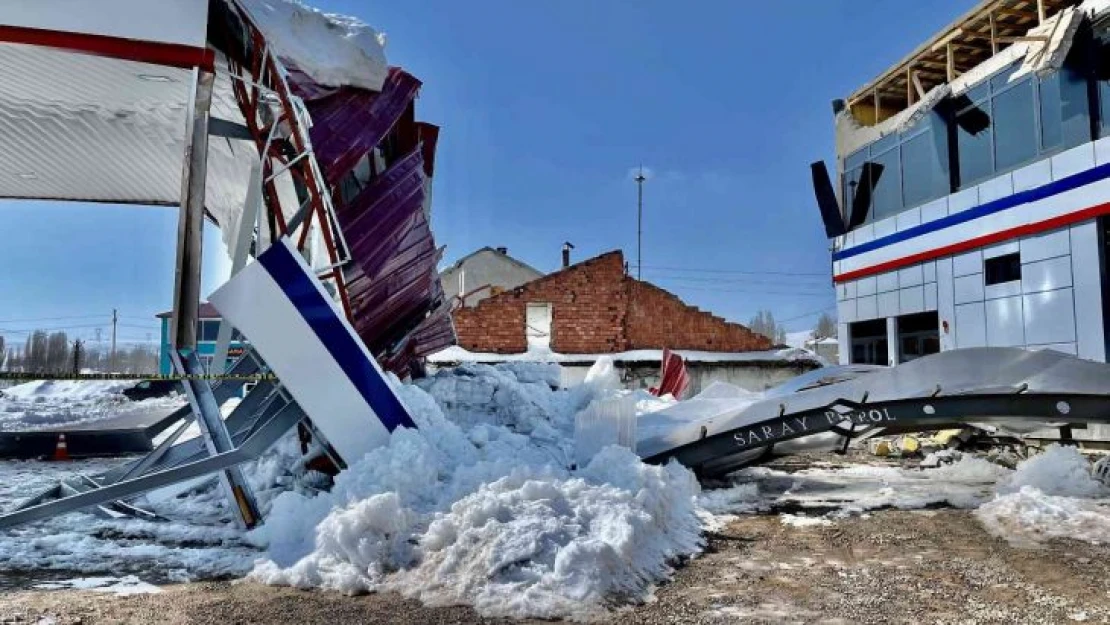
x: 596, y: 308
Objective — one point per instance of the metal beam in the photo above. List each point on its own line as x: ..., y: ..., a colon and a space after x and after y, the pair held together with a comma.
x: 190, y: 224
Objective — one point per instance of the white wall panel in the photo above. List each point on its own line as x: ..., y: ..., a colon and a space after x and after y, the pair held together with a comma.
x: 846, y: 290
x: 1086, y: 275
x: 867, y: 307
x: 971, y: 324
x: 1002, y: 289
x: 1001, y: 249
x: 844, y: 342
x: 1032, y: 176
x: 911, y: 276
x: 908, y: 219
x: 931, y: 296
x: 964, y: 264
x: 887, y: 281
x: 864, y: 234
x: 995, y: 188
x: 963, y: 200
x: 911, y: 300
x: 1005, y: 327
x: 866, y: 286
x: 929, y: 268
x: 1102, y: 151
x: 934, y: 210
x: 885, y: 227
x: 1047, y: 245
x: 1049, y: 317
x: 946, y: 305
x: 893, y: 345
x: 846, y: 310
x: 968, y: 289
x: 1046, y: 275
x: 888, y: 304
x: 1073, y: 161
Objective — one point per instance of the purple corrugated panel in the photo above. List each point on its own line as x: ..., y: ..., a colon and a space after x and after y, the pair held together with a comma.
x: 393, y: 285
x: 374, y: 221
x: 302, y: 85
x: 349, y: 123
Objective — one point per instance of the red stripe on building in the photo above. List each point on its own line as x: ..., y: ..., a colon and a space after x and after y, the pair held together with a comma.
x: 977, y: 242
x: 158, y: 53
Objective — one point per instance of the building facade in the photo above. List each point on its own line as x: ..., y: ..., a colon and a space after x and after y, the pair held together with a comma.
x: 208, y: 328
x: 977, y: 206
x: 483, y: 273
x: 594, y: 307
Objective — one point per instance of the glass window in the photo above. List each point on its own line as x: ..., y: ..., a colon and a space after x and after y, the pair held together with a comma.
x: 974, y: 148
x: 1075, y: 107
x: 886, y: 185
x: 923, y: 176
x: 999, y: 269
x: 1014, y: 126
x: 856, y: 159
x: 209, y: 330
x: 1052, y: 133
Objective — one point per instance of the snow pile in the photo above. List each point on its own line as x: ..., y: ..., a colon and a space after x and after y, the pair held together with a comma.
x: 51, y: 403
x: 799, y: 520
x: 1050, y: 495
x: 1030, y: 515
x: 1057, y: 471
x: 334, y: 50
x: 120, y: 586
x: 470, y: 510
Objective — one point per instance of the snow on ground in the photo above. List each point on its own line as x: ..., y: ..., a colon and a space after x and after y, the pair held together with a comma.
x: 119, y: 586
x: 479, y: 506
x: 50, y: 403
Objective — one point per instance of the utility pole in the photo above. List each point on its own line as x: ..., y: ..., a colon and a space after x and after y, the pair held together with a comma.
x: 112, y: 358
x: 77, y: 346
x: 640, y: 223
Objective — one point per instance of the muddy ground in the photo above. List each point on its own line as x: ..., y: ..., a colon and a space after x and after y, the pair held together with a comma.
x: 929, y: 566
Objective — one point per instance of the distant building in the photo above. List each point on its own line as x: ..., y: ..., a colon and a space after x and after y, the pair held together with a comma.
x: 593, y: 308
x: 208, y: 328
x: 483, y: 273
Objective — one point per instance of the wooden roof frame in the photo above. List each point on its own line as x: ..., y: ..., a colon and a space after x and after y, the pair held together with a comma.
x: 989, y: 27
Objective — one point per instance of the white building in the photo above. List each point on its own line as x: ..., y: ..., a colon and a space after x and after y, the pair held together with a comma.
x: 976, y: 205
x: 483, y: 273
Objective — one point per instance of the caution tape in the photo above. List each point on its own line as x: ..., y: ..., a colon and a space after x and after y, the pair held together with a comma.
x: 26, y: 377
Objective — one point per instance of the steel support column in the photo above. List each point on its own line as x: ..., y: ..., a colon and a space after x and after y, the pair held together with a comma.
x: 190, y: 223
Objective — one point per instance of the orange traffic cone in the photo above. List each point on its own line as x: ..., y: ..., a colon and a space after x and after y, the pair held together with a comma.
x: 61, y: 450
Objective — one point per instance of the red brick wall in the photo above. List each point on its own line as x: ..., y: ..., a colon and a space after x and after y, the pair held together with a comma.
x: 658, y: 319
x: 596, y: 308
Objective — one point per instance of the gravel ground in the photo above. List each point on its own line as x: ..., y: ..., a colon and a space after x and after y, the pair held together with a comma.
x: 932, y: 566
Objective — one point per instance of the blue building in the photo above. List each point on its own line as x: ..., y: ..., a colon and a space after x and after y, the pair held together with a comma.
x: 207, y: 331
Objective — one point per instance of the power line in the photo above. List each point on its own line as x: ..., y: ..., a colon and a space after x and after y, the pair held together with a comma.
x: 37, y: 319
x: 752, y: 291
x: 812, y: 281
x: 809, y: 314
x: 738, y: 271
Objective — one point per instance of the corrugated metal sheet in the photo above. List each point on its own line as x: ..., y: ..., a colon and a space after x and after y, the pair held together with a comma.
x: 396, y: 298
x: 350, y: 122
x: 77, y: 127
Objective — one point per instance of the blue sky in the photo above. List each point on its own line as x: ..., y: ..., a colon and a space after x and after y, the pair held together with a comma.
x: 546, y: 108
